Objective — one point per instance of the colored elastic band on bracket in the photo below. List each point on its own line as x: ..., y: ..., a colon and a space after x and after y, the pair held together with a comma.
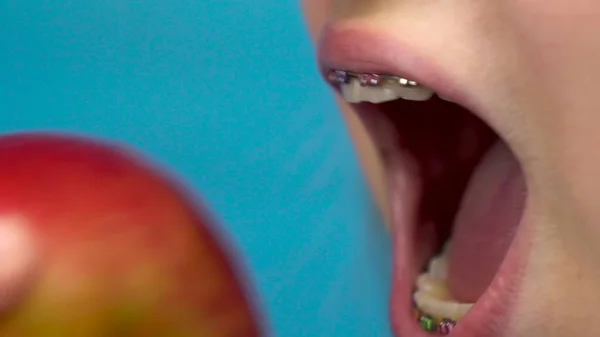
x: 430, y: 324
x: 340, y: 77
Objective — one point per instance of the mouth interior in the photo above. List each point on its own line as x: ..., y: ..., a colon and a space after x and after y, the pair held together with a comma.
x: 471, y: 190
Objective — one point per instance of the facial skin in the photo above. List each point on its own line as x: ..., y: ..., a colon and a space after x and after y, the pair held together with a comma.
x: 533, y: 65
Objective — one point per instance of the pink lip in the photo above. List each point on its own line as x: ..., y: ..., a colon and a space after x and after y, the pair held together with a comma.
x: 346, y: 47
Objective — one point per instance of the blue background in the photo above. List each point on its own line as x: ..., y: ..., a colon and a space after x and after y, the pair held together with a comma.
x: 226, y: 94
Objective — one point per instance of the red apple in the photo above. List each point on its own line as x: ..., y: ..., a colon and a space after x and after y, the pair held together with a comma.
x: 98, y: 243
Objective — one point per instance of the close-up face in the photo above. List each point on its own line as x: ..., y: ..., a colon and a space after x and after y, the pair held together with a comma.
x: 475, y: 124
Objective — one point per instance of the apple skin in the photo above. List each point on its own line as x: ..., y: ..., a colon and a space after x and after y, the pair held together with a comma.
x: 116, y: 247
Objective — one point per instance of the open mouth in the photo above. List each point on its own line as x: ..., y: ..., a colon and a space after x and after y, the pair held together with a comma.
x: 457, y: 196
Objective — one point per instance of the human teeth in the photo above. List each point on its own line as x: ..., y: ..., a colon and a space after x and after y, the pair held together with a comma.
x: 445, y: 98
x: 438, y: 267
x: 432, y: 295
x: 433, y: 286
x: 338, y: 76
x: 414, y: 92
x: 355, y: 92
x: 441, y: 308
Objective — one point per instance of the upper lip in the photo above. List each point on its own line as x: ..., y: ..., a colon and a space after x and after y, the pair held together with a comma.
x: 346, y: 47
x: 343, y: 46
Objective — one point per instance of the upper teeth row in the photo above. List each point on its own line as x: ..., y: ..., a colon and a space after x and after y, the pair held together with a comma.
x: 376, y: 88
x: 344, y: 77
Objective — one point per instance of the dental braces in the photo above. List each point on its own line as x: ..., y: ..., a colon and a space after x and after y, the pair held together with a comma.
x: 368, y: 80
x: 430, y: 324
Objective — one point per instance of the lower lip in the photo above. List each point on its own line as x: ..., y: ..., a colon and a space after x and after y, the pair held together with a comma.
x: 489, y: 315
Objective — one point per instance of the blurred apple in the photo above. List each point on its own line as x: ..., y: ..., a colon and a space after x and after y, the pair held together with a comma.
x: 99, y: 243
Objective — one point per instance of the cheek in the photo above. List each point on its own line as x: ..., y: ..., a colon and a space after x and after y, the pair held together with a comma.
x: 316, y: 13
x: 369, y: 159
x: 559, y: 46
x: 558, y: 37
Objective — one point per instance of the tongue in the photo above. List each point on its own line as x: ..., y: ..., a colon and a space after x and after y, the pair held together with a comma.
x: 486, y: 222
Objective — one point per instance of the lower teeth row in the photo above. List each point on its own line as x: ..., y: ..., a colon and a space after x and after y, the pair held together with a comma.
x: 434, y: 307
x: 430, y: 324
